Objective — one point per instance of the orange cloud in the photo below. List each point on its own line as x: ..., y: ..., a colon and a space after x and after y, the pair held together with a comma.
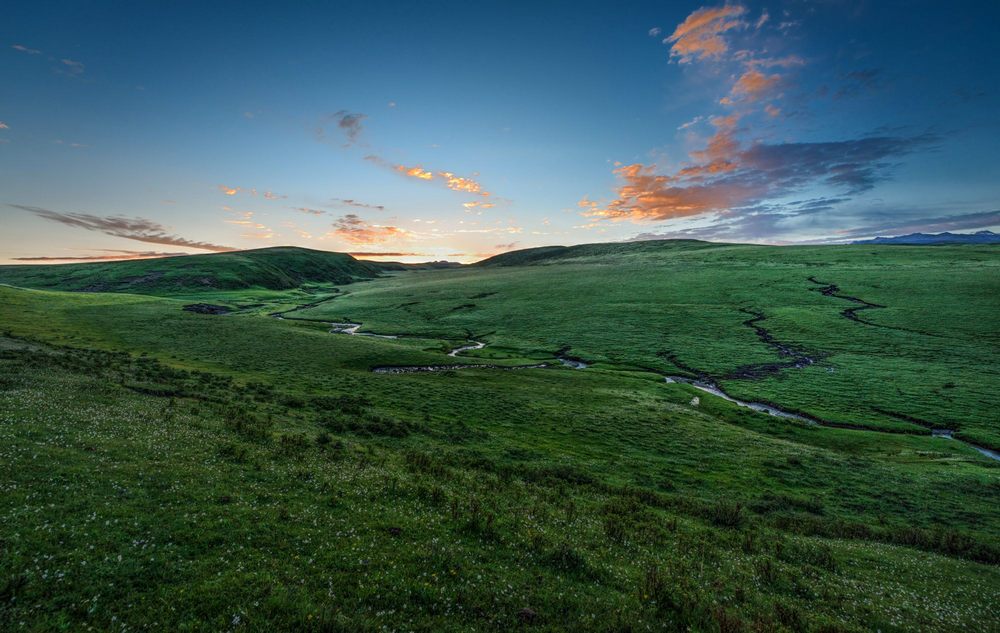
x: 415, y: 172
x: 453, y: 182
x: 645, y: 195
x: 477, y: 204
x: 752, y: 86
x: 700, y: 35
x: 115, y: 255
x: 229, y: 191
x: 457, y: 183
x: 355, y: 230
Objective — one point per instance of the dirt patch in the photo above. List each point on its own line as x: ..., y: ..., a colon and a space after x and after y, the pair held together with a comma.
x: 207, y: 308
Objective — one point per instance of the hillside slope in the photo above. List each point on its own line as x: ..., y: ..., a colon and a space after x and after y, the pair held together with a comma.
x: 276, y: 268
x: 550, y: 254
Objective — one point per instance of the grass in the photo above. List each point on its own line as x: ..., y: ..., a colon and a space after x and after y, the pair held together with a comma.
x: 169, y: 470
x: 928, y: 355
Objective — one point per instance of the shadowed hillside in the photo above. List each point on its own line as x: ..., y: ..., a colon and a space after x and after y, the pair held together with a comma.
x: 276, y: 268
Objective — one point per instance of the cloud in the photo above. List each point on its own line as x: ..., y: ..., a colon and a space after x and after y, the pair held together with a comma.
x: 453, y: 182
x: 700, y: 35
x: 113, y: 255
x: 476, y: 204
x: 385, y: 254
x: 655, y: 31
x: 25, y: 49
x: 457, y: 183
x: 752, y: 85
x: 506, y: 247
x: 355, y: 230
x: 309, y: 211
x: 691, y: 123
x: 777, y: 224
x: 4, y: 126
x: 762, y: 20
x: 734, y: 176
x: 246, y: 219
x: 73, y: 67
x: 350, y: 125
x: 895, y: 226
x: 138, y: 229
x: 349, y: 202
x: 415, y: 172
x: 232, y: 191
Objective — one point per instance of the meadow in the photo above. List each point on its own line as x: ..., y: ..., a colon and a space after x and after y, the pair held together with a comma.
x: 170, y: 470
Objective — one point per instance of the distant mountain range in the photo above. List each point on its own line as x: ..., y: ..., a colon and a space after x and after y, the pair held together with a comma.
x: 981, y: 237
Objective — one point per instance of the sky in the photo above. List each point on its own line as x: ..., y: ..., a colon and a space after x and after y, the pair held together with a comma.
x: 429, y: 131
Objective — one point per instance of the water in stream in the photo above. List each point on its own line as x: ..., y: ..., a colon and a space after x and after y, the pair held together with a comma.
x: 575, y: 363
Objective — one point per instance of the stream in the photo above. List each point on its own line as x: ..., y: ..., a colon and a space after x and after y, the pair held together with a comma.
x: 799, y: 359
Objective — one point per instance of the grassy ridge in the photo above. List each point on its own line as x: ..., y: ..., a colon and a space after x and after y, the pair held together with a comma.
x: 270, y: 268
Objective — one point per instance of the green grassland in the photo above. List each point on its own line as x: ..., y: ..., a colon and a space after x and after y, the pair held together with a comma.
x: 929, y: 354
x: 168, y: 470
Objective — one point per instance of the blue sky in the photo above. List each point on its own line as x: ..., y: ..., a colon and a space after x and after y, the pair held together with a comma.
x: 459, y: 130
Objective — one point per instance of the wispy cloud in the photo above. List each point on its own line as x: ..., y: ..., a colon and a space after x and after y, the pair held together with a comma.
x: 310, y: 211
x: 232, y: 191
x: 138, y: 229
x: 4, y: 126
x: 478, y: 204
x: 700, y: 35
x: 779, y: 224
x: 385, y: 254
x: 25, y: 49
x: 111, y: 255
x: 73, y: 67
x: 752, y: 85
x: 902, y: 226
x: 355, y: 230
x: 451, y: 180
x: 349, y: 202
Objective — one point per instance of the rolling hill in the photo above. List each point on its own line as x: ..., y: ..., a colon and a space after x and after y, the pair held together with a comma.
x: 617, y: 250
x: 278, y: 268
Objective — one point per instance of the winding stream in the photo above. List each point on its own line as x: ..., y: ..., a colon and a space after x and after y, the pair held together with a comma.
x: 798, y: 360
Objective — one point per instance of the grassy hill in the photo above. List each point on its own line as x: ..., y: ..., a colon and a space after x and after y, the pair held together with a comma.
x: 614, y: 250
x: 277, y: 268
